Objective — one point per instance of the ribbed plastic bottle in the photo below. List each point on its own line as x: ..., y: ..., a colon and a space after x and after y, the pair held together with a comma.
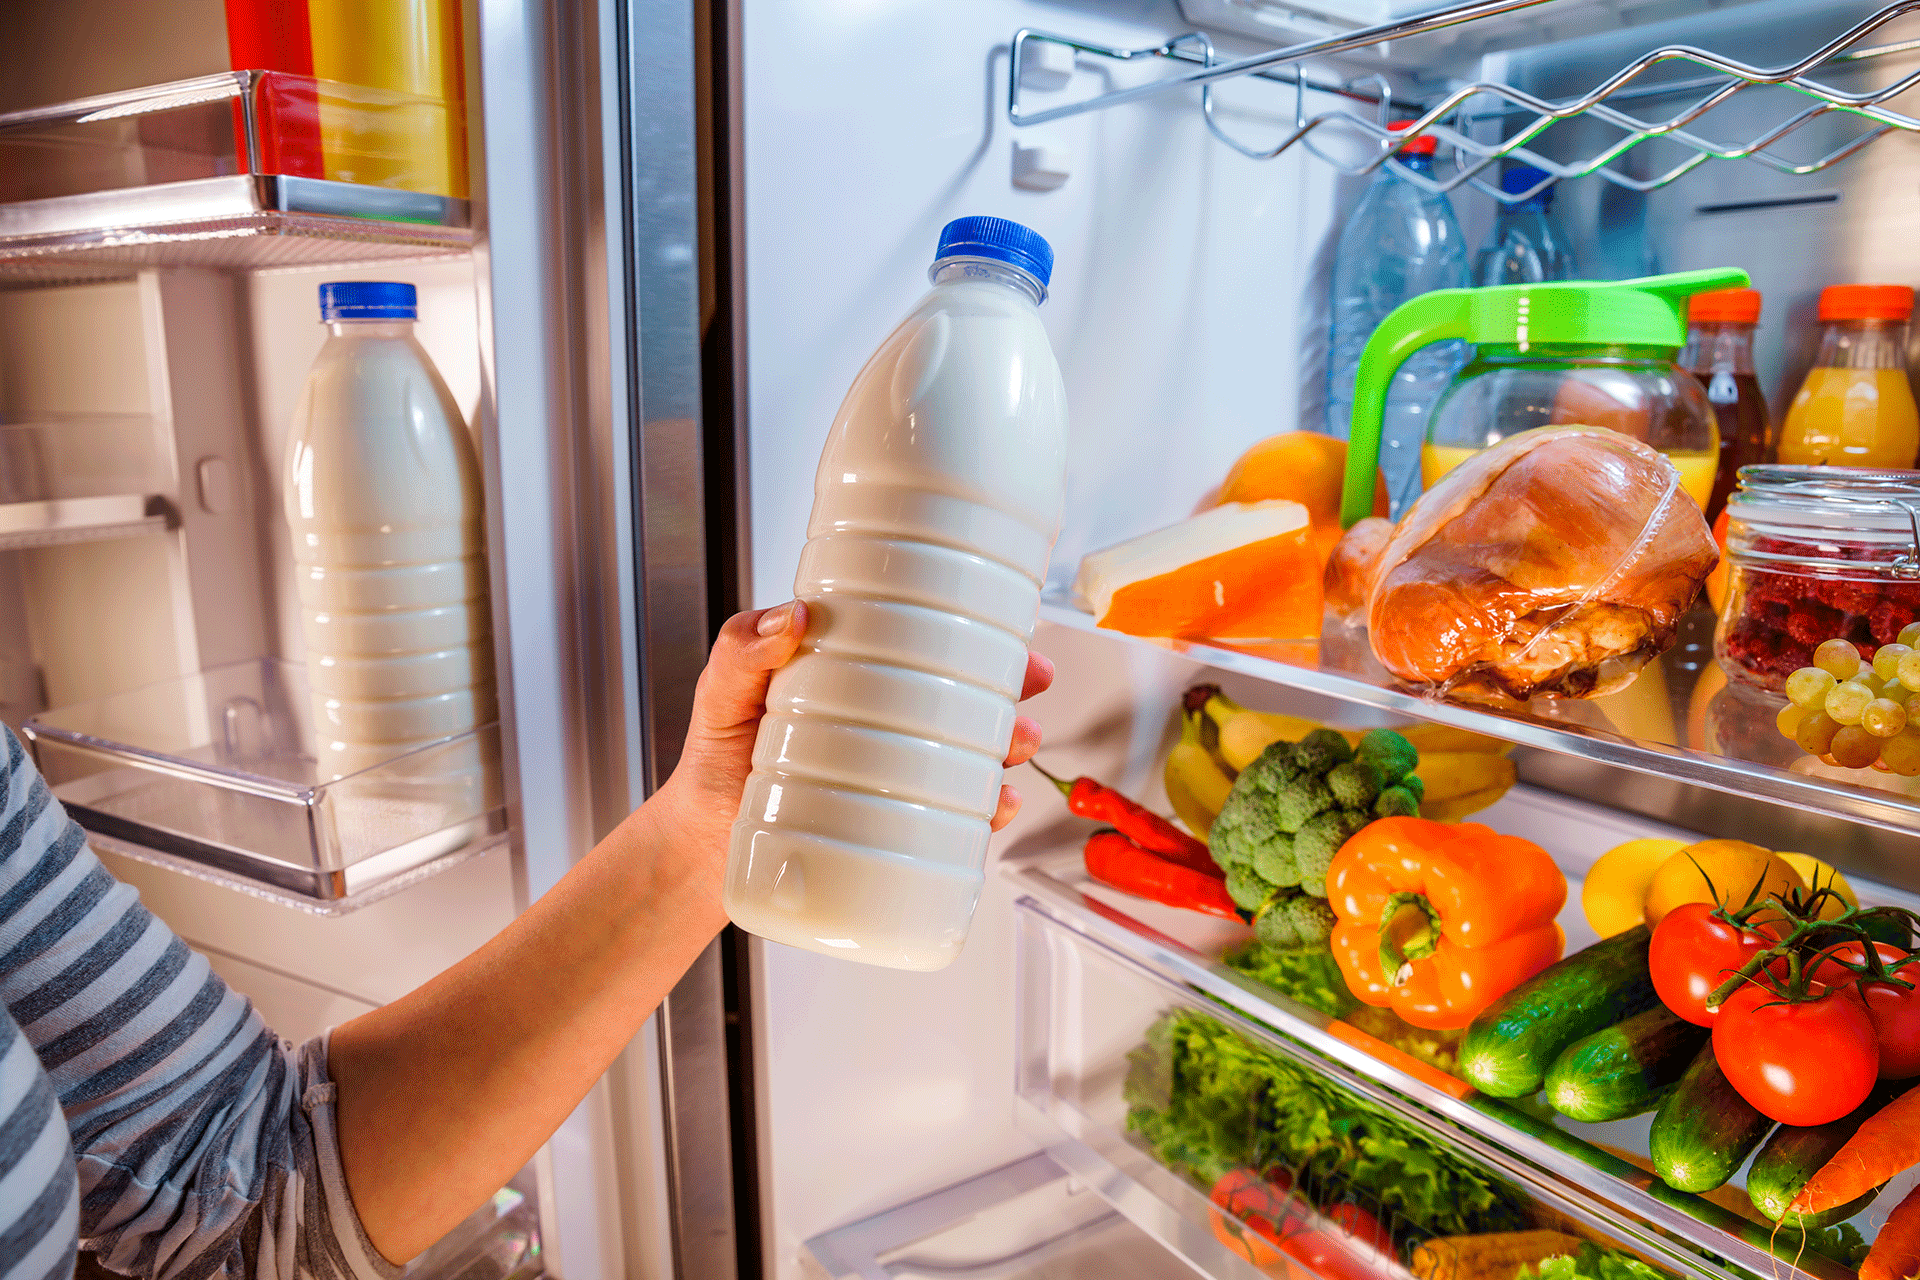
x: 383, y: 498
x: 863, y: 830
x: 1402, y: 241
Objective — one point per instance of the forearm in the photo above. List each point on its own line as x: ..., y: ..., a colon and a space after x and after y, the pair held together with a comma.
x: 445, y: 1093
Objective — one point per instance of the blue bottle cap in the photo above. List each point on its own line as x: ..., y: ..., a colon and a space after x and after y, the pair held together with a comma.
x: 367, y: 300
x: 1000, y: 239
x: 1524, y: 177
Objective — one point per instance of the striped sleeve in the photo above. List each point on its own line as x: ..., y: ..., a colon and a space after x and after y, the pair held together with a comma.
x: 204, y: 1147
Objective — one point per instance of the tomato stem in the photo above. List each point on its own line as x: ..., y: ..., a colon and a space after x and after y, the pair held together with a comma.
x: 1852, y: 927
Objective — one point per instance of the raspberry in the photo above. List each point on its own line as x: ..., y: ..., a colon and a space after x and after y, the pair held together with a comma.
x: 1783, y: 587
x: 1852, y: 597
x: 1787, y: 661
x: 1886, y: 620
x: 1810, y: 623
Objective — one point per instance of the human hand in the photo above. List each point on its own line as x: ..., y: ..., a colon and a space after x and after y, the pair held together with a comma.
x: 704, y: 791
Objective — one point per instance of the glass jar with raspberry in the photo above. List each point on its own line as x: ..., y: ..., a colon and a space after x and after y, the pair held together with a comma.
x: 1816, y: 553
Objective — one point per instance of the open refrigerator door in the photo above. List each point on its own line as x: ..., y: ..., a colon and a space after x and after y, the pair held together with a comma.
x: 167, y: 221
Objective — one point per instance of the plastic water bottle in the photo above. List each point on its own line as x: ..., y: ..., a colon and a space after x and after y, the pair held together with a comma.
x: 384, y: 501
x: 1400, y: 243
x: 1526, y: 245
x: 863, y: 830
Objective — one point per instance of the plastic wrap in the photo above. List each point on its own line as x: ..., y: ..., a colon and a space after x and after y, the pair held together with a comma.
x: 1558, y: 561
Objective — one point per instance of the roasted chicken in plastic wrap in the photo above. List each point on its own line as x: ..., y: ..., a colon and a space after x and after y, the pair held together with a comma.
x: 1558, y: 561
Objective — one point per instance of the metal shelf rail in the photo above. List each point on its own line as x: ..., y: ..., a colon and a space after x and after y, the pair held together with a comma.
x: 1449, y: 117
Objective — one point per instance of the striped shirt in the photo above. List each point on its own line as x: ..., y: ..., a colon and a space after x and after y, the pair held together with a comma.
x: 146, y: 1112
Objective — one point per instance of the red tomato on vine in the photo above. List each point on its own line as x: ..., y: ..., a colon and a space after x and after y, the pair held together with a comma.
x: 1801, y: 1063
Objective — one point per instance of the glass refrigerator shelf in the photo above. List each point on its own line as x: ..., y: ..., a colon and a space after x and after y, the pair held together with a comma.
x: 1680, y: 721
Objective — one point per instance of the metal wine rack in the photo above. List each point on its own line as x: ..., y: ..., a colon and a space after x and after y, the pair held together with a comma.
x: 1450, y: 118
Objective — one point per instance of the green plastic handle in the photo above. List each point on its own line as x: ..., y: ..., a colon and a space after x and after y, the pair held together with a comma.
x: 1429, y: 318
x: 1651, y: 311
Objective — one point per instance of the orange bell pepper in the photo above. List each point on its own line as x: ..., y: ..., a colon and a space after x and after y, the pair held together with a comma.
x: 1437, y: 920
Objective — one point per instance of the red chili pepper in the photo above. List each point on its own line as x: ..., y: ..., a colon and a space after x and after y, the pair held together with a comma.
x: 1145, y: 828
x: 1119, y: 863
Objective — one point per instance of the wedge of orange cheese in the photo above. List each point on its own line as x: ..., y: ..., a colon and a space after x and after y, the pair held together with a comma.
x: 1240, y: 571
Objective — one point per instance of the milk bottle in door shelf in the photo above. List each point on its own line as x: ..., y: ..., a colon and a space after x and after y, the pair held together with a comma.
x: 383, y: 497
x: 863, y: 830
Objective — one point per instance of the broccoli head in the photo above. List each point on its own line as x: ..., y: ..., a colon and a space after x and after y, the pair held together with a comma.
x: 1246, y: 888
x: 1356, y: 784
x: 1249, y: 821
x: 1396, y: 802
x: 1319, y: 840
x: 1392, y: 753
x: 1320, y: 751
x: 1275, y: 863
x: 1297, y: 802
x: 1412, y: 783
x: 1294, y: 920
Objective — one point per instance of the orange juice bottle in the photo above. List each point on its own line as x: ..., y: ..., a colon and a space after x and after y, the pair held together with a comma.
x: 1856, y: 407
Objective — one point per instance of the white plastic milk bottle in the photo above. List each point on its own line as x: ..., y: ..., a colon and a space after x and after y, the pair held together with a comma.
x: 383, y: 497
x: 863, y: 830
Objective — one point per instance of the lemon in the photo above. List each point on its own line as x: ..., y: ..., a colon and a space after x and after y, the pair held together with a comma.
x: 1615, y: 893
x: 1732, y: 866
x: 1816, y: 872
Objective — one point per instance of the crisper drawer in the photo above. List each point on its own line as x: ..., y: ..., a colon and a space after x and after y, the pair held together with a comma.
x: 1176, y: 1087
x: 1029, y: 1220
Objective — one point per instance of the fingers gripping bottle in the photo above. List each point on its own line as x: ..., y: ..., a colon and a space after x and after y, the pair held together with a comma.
x: 863, y: 829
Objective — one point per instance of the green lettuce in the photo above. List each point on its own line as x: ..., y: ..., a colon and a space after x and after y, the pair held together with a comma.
x: 1593, y: 1263
x: 1205, y: 1100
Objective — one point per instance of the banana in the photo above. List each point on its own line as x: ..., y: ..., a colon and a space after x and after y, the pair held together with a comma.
x: 1196, y: 784
x: 1449, y: 775
x: 1454, y: 808
x: 1245, y: 734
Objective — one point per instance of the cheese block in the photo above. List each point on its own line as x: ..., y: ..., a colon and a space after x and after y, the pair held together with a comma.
x: 1240, y: 571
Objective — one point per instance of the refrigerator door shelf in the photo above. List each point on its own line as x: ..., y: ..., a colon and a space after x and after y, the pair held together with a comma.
x: 1029, y: 1220
x: 61, y: 520
x: 246, y: 222
x: 214, y: 774
x: 1099, y: 968
x: 243, y: 169
x: 1725, y: 741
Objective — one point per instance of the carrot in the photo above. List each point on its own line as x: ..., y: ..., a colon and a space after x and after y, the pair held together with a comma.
x: 1887, y: 1144
x: 1896, y: 1250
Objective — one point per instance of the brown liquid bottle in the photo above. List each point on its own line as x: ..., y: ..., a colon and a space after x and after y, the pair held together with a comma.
x: 1719, y: 353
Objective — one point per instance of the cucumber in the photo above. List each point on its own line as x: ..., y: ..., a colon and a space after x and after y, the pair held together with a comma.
x: 1793, y: 1154
x: 1704, y: 1129
x: 1623, y: 1070
x: 1507, y: 1049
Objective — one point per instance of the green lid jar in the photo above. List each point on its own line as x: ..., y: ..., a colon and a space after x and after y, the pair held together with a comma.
x: 1560, y: 353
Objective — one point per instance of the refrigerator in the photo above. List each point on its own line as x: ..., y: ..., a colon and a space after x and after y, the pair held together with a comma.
x: 687, y: 225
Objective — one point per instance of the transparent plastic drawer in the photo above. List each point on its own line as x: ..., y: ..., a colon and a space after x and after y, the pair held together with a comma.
x: 1029, y: 1220
x: 78, y: 477
x: 214, y: 774
x: 1255, y: 1135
